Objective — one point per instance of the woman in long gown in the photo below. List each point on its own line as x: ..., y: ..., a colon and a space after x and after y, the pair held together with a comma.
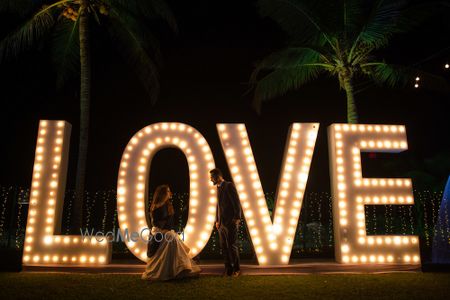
x: 168, y: 256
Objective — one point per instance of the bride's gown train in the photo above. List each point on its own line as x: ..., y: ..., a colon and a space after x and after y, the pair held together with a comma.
x: 171, y: 260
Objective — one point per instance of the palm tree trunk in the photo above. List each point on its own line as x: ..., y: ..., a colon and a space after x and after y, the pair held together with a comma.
x: 352, y: 113
x: 85, y: 97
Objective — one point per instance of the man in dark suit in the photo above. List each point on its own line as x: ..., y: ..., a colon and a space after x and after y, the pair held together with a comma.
x: 228, y: 216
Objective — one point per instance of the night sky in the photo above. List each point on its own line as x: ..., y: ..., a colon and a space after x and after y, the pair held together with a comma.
x: 207, y: 65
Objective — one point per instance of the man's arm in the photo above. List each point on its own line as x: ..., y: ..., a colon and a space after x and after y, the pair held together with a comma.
x: 235, y: 203
x: 217, y: 215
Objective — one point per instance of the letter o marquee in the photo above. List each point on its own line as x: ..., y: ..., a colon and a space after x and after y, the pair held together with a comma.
x: 132, y: 190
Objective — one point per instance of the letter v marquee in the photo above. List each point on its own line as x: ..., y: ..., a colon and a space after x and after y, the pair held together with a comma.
x: 272, y: 240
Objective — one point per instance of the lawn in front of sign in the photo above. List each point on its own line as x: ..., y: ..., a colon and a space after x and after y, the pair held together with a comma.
x: 27, y: 285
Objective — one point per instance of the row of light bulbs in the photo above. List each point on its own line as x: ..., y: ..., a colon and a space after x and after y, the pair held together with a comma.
x: 354, y: 192
x: 41, y: 246
x: 134, y: 172
x: 272, y: 240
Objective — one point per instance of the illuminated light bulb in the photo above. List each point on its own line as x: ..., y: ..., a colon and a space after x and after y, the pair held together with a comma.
x: 446, y: 66
x: 346, y: 259
x: 407, y: 258
x: 345, y: 248
x: 416, y: 258
x: 230, y: 152
x: 48, y: 240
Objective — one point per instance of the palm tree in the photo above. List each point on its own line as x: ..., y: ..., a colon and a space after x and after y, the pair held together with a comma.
x: 70, y: 22
x: 340, y: 38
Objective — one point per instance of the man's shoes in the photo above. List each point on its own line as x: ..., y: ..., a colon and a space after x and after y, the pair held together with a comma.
x: 236, y: 274
x: 227, y: 273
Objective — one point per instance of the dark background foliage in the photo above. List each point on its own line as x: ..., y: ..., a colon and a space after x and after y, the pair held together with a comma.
x: 205, y: 81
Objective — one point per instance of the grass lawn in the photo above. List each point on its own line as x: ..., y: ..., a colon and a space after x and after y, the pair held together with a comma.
x: 128, y: 286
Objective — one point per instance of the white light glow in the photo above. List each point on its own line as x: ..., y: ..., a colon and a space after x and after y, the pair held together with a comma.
x: 354, y: 192
x: 135, y: 171
x: 42, y: 247
x: 274, y: 240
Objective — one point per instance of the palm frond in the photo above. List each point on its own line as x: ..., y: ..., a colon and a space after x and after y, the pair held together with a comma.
x: 280, y: 81
x: 382, y: 23
x: 298, y: 18
x: 66, y: 50
x: 142, y: 33
x: 293, y: 57
x: 394, y: 75
x: 26, y: 35
x: 352, y: 14
x: 387, y: 74
x: 131, y: 46
x: 150, y: 9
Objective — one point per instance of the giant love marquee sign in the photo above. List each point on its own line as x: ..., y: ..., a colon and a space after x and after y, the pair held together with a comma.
x: 272, y: 238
